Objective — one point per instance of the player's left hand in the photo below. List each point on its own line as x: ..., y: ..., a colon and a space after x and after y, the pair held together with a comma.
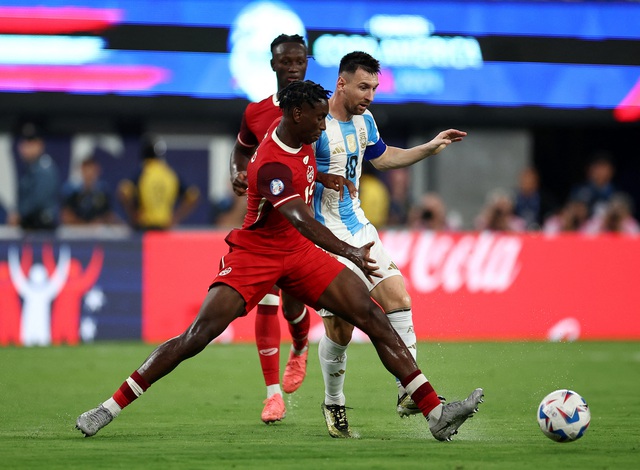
x: 361, y: 257
x: 337, y: 183
x: 443, y: 139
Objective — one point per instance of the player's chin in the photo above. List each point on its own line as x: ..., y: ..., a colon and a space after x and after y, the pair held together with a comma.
x: 312, y: 138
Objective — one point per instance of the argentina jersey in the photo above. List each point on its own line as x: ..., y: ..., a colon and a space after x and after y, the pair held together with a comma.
x: 340, y: 150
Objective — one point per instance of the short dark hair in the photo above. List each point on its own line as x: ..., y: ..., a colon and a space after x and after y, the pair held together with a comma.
x: 359, y: 60
x: 284, y: 38
x: 299, y: 92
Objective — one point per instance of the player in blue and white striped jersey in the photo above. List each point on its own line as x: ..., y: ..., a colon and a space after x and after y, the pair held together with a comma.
x: 350, y: 138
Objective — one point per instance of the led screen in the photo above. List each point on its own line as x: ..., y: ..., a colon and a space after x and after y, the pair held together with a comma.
x: 548, y: 55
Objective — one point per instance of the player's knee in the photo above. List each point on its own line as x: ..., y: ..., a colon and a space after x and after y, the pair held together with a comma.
x: 291, y: 308
x: 199, y: 335
x: 376, y: 323
x: 398, y: 301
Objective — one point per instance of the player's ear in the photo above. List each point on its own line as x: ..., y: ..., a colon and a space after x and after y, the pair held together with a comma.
x: 340, y: 83
x: 296, y: 113
x: 272, y: 66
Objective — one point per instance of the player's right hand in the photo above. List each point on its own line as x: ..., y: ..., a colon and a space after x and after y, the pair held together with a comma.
x: 239, y: 183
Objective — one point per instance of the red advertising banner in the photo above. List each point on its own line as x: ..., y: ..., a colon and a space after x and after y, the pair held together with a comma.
x: 467, y: 286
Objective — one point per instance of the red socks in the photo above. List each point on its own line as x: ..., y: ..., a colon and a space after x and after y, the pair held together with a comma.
x: 421, y: 391
x: 267, y: 329
x: 130, y: 389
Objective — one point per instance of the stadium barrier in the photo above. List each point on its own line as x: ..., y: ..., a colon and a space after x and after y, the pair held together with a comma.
x: 464, y: 286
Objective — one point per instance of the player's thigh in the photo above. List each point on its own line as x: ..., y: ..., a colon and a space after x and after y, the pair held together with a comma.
x: 348, y: 298
x: 221, y: 306
x: 387, y: 267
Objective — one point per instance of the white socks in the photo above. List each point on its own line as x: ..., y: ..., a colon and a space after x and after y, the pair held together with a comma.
x: 273, y: 390
x: 333, y: 362
x: 112, y: 406
x: 402, y: 322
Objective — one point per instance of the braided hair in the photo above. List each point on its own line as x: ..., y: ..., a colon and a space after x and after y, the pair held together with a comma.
x: 299, y: 92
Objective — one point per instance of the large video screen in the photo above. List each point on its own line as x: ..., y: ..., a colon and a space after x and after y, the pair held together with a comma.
x: 462, y: 54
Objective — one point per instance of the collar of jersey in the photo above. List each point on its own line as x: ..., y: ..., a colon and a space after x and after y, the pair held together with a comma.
x: 282, y: 145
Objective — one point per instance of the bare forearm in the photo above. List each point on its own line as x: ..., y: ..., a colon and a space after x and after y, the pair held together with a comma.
x: 318, y: 233
x: 396, y: 157
x: 239, y: 160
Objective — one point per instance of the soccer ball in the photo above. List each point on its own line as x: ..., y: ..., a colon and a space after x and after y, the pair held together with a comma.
x: 564, y: 416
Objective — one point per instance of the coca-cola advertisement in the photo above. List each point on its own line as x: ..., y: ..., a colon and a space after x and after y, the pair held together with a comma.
x: 464, y: 286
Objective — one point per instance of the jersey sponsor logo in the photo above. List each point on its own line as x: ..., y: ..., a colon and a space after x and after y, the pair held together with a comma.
x: 253, y: 159
x: 225, y: 271
x: 351, y: 143
x: 276, y: 187
x: 310, y: 174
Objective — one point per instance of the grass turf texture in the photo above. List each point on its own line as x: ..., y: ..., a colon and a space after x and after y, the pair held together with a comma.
x: 206, y: 414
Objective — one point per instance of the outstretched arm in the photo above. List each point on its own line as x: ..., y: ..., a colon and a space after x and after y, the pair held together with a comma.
x: 395, y: 157
x: 299, y: 214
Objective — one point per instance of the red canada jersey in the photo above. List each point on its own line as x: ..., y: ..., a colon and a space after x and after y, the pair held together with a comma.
x: 276, y: 174
x: 257, y: 119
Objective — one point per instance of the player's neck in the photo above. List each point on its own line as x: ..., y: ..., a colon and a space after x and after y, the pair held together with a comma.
x: 338, y: 110
x: 287, y: 138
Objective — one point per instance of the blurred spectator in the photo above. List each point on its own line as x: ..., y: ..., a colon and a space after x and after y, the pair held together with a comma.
x: 39, y: 185
x: 156, y: 198
x: 374, y: 198
x: 498, y: 215
x: 400, y: 198
x: 616, y: 217
x: 89, y: 200
x: 429, y: 214
x: 572, y: 217
x: 532, y: 204
x: 599, y: 187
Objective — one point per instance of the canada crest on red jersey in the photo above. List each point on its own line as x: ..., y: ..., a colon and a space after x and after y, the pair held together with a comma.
x: 310, y: 174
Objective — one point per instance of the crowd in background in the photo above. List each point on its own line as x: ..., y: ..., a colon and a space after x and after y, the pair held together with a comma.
x: 157, y: 197
x: 593, y: 206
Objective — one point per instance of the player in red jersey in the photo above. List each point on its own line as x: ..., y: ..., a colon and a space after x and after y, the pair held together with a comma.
x: 289, y: 62
x: 281, y: 243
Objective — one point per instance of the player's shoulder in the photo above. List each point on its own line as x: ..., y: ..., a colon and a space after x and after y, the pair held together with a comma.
x: 270, y: 102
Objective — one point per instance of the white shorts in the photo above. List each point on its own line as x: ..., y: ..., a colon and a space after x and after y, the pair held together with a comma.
x: 388, y: 268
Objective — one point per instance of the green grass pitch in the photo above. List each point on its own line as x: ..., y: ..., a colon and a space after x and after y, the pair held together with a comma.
x: 206, y: 414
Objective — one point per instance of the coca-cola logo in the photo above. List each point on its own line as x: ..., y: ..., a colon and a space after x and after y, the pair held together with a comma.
x: 485, y: 262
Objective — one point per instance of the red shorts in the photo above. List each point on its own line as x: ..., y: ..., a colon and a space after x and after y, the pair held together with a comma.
x: 304, y: 273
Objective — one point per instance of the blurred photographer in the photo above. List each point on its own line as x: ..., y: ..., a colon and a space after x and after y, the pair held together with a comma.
x: 429, y: 214
x: 498, y: 214
x: 615, y: 218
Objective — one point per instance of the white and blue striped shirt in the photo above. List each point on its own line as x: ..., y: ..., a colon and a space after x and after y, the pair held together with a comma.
x: 340, y: 150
